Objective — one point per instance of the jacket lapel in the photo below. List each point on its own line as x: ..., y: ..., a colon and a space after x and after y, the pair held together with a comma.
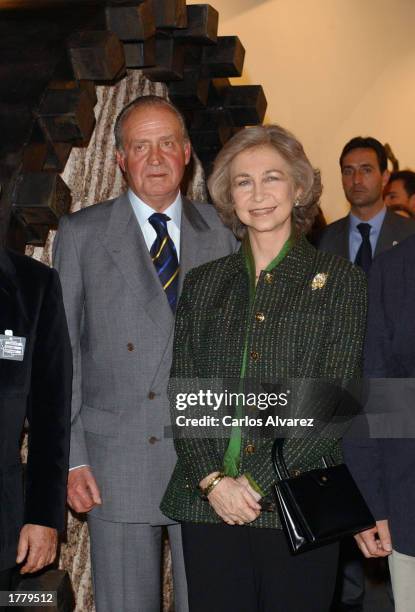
x: 197, y: 243
x: 341, y: 243
x: 13, y: 313
x: 388, y: 235
x: 125, y: 244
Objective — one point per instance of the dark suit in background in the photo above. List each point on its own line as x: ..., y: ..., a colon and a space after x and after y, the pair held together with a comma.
x: 385, y: 468
x: 335, y: 237
x: 37, y: 388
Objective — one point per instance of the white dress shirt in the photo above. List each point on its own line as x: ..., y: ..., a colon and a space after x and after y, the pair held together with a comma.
x: 143, y: 211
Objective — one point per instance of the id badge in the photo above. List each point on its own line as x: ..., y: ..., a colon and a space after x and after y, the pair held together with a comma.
x: 12, y: 347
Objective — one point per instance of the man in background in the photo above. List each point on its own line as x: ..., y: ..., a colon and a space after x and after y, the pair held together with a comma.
x: 35, y: 384
x: 370, y: 227
x: 399, y: 193
x: 384, y: 467
x: 122, y: 265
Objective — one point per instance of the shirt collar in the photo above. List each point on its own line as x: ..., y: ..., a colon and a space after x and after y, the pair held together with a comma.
x: 143, y: 211
x: 375, y: 222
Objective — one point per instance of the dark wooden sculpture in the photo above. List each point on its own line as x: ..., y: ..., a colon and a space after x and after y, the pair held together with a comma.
x: 54, y: 51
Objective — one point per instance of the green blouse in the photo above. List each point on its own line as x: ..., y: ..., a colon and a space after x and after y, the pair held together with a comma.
x: 231, y: 458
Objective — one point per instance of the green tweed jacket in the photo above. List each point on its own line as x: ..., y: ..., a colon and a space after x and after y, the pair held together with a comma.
x: 307, y: 321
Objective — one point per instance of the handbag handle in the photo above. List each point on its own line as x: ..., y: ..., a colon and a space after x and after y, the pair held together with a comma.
x: 278, y: 460
x: 277, y: 456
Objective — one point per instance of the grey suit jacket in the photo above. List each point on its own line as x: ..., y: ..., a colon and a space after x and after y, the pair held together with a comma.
x: 121, y: 329
x: 335, y: 237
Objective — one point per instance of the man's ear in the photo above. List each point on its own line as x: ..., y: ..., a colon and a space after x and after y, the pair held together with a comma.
x: 187, y: 151
x: 120, y: 160
x: 385, y: 178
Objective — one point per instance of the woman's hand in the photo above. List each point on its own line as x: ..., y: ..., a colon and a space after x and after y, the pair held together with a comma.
x: 233, y: 502
x: 245, y: 482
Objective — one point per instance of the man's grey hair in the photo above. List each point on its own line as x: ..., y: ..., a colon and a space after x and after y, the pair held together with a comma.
x: 140, y: 102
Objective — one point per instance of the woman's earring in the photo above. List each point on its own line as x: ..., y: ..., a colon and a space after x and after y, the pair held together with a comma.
x: 297, y: 202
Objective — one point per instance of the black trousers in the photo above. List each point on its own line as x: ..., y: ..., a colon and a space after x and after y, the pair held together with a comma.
x: 7, y: 582
x: 246, y: 569
x: 350, y: 588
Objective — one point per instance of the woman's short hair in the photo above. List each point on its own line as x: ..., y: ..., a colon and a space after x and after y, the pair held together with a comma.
x: 291, y: 150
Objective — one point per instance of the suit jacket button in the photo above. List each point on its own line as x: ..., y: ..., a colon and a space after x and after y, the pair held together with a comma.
x: 130, y: 346
x: 151, y: 395
x: 153, y: 440
x: 249, y: 449
x: 259, y: 317
x: 296, y: 472
x: 254, y: 355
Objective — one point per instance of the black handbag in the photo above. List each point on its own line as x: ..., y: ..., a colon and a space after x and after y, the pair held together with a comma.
x: 319, y: 506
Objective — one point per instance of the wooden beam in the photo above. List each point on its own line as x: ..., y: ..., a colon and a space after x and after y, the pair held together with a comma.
x: 169, y: 61
x: 96, y: 55
x: 170, y: 14
x: 202, y: 25
x: 40, y: 198
x: 140, y: 54
x: 226, y: 59
x: 66, y: 116
x: 134, y: 23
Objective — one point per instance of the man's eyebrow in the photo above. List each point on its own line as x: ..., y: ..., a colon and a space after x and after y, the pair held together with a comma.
x: 353, y: 166
x: 165, y: 137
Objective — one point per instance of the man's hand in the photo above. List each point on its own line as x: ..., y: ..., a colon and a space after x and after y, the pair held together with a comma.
x: 83, y: 491
x: 233, y: 502
x: 370, y: 545
x: 37, y: 544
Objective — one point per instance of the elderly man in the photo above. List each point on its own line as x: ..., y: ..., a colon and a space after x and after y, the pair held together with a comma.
x: 122, y: 265
x: 35, y: 383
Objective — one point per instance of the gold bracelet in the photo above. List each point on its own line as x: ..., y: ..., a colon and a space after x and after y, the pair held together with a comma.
x: 212, y: 484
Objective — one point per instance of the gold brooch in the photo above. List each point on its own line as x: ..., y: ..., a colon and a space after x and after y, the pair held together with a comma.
x: 319, y: 281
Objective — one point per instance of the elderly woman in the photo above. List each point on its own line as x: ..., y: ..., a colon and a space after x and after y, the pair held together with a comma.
x: 277, y: 310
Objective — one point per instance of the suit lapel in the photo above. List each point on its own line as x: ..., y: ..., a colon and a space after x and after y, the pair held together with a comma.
x: 13, y: 313
x: 197, y: 240
x: 388, y: 235
x: 341, y: 246
x: 125, y: 244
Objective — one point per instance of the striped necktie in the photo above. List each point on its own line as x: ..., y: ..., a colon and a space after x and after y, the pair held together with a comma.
x: 164, y: 256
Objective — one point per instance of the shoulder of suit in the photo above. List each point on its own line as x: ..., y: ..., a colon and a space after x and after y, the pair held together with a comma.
x: 331, y: 230
x: 90, y: 214
x: 335, y: 225
x: 26, y: 267
x: 404, y: 224
x: 404, y: 252
x: 208, y: 212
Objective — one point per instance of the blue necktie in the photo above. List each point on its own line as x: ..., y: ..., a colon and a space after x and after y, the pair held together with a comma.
x: 364, y: 254
x: 164, y: 256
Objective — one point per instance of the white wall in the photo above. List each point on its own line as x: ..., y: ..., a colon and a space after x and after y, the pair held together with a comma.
x: 331, y: 70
